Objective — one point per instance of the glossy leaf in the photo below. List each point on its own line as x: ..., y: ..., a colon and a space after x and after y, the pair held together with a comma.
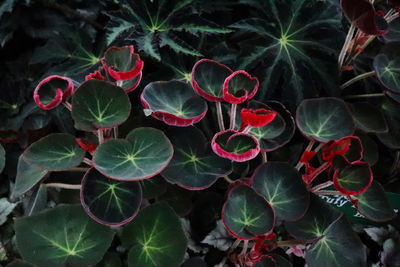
x: 50, y: 92
x: 27, y: 177
x: 387, y: 67
x: 374, y: 204
x: 62, y: 236
x: 246, y: 214
x: 393, y: 31
x: 194, y: 165
x: 208, y: 77
x: 239, y: 87
x: 108, y: 201
x: 354, y: 178
x: 37, y: 201
x: 370, y: 152
x: 368, y: 118
x: 155, y: 238
x: 179, y: 199
x: 153, y: 25
x: 122, y: 63
x: 144, y: 153
x: 324, y: 119
x: 391, y: 138
x: 282, y: 186
x: 55, y: 152
x: 279, y: 132
x: 295, y: 60
x: 331, y: 250
x: 235, y: 146
x: 2, y: 158
x: 312, y: 226
x: 98, y: 104
x: 173, y: 102
x: 6, y: 208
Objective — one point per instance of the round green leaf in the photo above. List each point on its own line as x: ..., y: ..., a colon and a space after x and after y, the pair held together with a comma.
x: 62, y: 236
x: 108, y: 201
x: 155, y: 238
x: 179, y: 199
x: 394, y: 31
x: 316, y: 220
x: 387, y: 67
x: 353, y: 179
x: 370, y: 152
x: 374, y: 204
x: 98, y: 104
x: 55, y: 152
x: 246, y: 214
x: 2, y: 158
x: 391, y: 138
x: 324, y: 119
x: 173, y: 102
x: 144, y: 153
x: 208, y: 77
x: 27, y: 177
x: 339, y: 246
x: 368, y: 118
x: 194, y: 165
x: 282, y: 186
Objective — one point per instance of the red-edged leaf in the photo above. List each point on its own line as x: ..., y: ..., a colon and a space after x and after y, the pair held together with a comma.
x: 95, y: 75
x: 236, y: 146
x: 122, y: 63
x: 173, y: 102
x: 208, y: 78
x: 50, y: 92
x: 363, y: 15
x: 257, y: 117
x: 239, y: 87
x: 246, y: 214
x: 349, y: 147
x: 354, y: 179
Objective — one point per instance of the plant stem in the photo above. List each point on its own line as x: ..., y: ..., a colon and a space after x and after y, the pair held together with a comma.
x: 87, y: 161
x: 364, y: 96
x: 321, y: 186
x: 346, y: 45
x: 116, y: 132
x: 318, y: 171
x: 67, y: 105
x: 308, y: 148
x: 220, y: 116
x: 245, y: 246
x: 64, y: 186
x: 233, y: 116
x: 229, y: 180
x: 328, y: 192
x: 100, y: 136
x: 264, y: 157
x: 290, y: 243
x: 357, y: 78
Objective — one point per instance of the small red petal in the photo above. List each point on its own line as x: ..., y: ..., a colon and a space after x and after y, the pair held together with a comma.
x: 347, y: 68
x: 86, y: 144
x: 307, y: 156
x: 95, y: 75
x: 257, y: 117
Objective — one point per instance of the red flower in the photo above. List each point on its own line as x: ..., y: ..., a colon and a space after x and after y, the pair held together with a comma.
x: 50, y: 92
x: 122, y: 63
x: 95, y: 75
x: 257, y: 117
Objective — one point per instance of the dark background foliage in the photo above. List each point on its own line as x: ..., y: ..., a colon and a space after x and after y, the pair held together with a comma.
x: 43, y: 37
